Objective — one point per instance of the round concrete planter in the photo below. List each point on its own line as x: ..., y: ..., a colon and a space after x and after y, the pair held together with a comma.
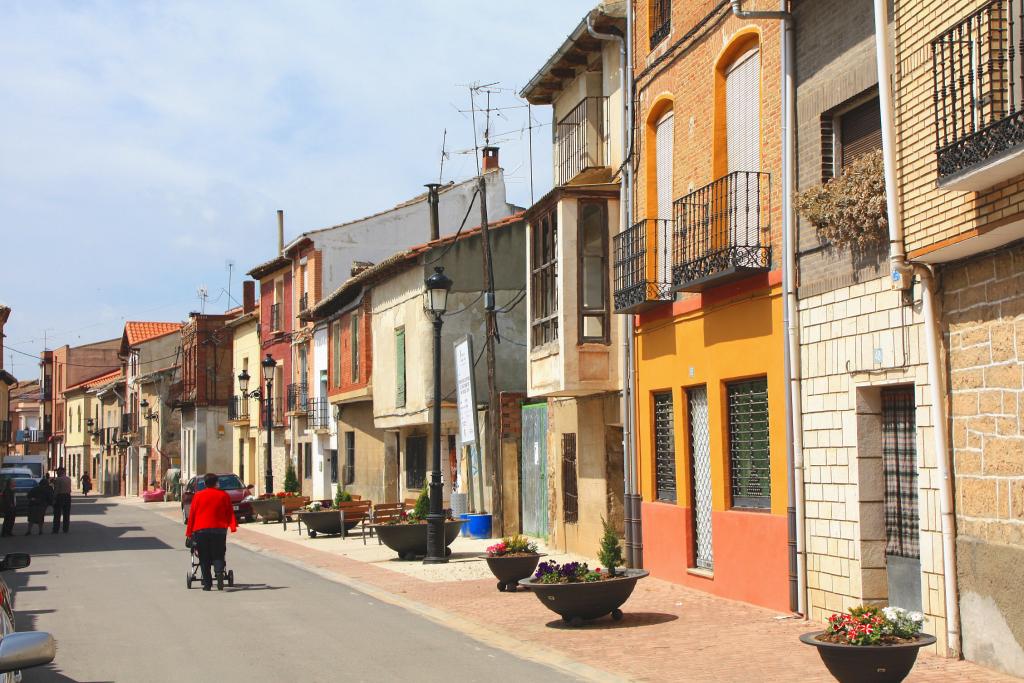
x: 508, y: 570
x: 326, y: 522
x: 268, y: 509
x: 868, y: 663
x: 410, y: 540
x: 575, y: 602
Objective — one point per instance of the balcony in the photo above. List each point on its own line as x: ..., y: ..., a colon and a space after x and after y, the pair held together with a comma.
x: 722, y: 232
x: 319, y: 413
x: 643, y: 277
x: 304, y: 302
x: 129, y: 423
x: 580, y: 139
x: 298, y: 397
x: 30, y: 436
x: 108, y: 436
x: 238, y: 409
x: 661, y: 20
x: 275, y: 317
x: 979, y: 98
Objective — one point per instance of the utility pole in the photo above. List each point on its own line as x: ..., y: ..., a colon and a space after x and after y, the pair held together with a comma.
x: 493, y: 407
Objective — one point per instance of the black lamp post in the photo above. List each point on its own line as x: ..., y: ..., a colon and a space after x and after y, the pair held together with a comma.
x: 268, y: 366
x: 436, y: 302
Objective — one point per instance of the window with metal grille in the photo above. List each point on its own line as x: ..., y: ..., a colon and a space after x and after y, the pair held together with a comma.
x: 899, y: 465
x: 307, y: 461
x: 570, y: 495
x: 661, y: 20
x: 664, y: 448
x: 544, y: 280
x: 350, y: 458
x: 749, y: 472
x: 415, y: 462
x: 333, y: 455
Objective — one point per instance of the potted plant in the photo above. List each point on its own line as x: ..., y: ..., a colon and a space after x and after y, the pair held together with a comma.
x: 576, y: 592
x: 869, y: 644
x: 512, y: 559
x: 407, y: 535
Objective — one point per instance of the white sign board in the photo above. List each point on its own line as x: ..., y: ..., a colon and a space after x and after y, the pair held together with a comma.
x: 465, y: 389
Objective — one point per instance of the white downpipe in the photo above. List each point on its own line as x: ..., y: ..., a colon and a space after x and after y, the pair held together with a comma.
x: 902, y: 276
x: 790, y: 309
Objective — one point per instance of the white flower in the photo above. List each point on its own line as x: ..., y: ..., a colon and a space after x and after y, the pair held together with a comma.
x: 892, y: 613
x: 916, y: 617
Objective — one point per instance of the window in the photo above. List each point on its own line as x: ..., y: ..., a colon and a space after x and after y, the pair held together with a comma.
x: 400, y: 367
x: 664, y: 140
x: 544, y: 280
x: 749, y: 470
x: 664, y: 448
x: 570, y: 496
x: 336, y: 353
x: 241, y: 459
x: 354, y: 346
x: 350, y: 458
x: 848, y: 135
x: 307, y: 460
x: 661, y: 20
x: 593, y: 271
x: 333, y: 454
x: 415, y: 462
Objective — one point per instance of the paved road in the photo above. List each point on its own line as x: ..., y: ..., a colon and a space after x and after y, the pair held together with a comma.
x: 113, y: 594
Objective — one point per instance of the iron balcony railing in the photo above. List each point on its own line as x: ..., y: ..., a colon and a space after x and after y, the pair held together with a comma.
x: 304, y: 301
x: 298, y: 397
x: 722, y: 231
x: 580, y: 140
x: 129, y: 423
x: 643, y: 274
x: 108, y: 436
x: 275, y: 317
x: 661, y: 20
x: 30, y: 436
x: 979, y: 87
x: 319, y: 413
x: 238, y: 408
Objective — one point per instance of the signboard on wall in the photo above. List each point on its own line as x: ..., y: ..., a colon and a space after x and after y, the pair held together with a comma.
x: 465, y: 390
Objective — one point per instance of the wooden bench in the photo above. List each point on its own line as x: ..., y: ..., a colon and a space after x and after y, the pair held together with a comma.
x: 386, y: 512
x: 359, y: 511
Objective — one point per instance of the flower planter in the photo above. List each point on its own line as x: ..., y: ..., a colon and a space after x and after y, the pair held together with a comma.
x: 327, y: 522
x: 575, y: 602
x: 509, y: 569
x: 269, y: 509
x: 868, y: 663
x: 410, y: 540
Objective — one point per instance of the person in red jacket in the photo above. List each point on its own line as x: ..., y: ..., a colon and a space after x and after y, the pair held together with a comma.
x: 209, y: 518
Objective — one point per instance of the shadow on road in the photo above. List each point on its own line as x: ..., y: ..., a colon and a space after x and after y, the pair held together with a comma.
x: 84, y: 537
x: 251, y: 587
x: 629, y: 620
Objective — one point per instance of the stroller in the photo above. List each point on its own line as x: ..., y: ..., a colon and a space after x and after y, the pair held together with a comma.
x: 195, y: 572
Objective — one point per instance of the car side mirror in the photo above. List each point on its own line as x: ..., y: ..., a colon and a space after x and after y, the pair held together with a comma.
x: 15, y: 561
x: 25, y: 650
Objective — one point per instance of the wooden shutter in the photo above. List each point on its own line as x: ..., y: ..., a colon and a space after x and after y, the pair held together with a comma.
x: 742, y: 111
x: 663, y: 166
x: 400, y: 367
x: 860, y: 131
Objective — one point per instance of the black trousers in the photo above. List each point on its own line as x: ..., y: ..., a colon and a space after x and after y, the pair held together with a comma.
x: 61, y: 508
x: 211, y: 545
x: 8, y: 522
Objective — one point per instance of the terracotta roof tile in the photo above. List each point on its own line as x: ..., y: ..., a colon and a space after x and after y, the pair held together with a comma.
x: 138, y: 331
x: 96, y: 381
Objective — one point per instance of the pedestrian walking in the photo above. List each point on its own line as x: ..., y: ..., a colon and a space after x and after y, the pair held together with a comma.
x: 39, y: 498
x: 210, y: 515
x: 86, y: 482
x: 8, y: 504
x: 61, y: 501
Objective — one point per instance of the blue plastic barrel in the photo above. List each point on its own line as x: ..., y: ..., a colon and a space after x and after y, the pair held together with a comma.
x: 479, y: 526
x: 464, y: 531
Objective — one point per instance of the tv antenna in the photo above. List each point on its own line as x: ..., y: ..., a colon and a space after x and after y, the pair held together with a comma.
x: 203, y: 293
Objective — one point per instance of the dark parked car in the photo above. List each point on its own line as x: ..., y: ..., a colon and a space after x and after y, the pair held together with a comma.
x: 231, y: 484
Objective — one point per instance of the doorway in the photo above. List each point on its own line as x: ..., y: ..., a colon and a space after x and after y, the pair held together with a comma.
x: 899, y: 471
x: 534, y: 466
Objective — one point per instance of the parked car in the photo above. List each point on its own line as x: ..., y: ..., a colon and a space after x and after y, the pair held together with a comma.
x: 24, y: 481
x: 231, y: 484
x: 19, y: 650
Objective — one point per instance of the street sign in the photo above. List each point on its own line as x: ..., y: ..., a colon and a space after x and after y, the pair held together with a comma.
x: 465, y: 389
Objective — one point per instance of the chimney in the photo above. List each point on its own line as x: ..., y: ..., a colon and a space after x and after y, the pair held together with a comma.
x: 490, y: 159
x: 432, y: 199
x: 248, y: 296
x: 280, y: 232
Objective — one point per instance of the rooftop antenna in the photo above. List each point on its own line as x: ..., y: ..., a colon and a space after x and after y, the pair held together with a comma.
x: 203, y: 293
x: 444, y: 155
x: 231, y: 266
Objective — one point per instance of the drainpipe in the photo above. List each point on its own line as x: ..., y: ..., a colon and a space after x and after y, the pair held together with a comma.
x: 902, y: 277
x: 631, y: 499
x: 795, y: 516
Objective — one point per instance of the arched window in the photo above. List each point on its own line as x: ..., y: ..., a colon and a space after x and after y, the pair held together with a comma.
x: 664, y: 133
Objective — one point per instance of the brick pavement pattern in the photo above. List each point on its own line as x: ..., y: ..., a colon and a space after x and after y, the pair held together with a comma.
x: 669, y: 633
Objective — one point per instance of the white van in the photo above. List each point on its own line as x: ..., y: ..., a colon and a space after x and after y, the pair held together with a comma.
x: 36, y: 463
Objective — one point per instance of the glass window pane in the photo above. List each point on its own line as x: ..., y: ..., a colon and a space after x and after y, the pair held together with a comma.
x: 593, y: 326
x: 593, y: 285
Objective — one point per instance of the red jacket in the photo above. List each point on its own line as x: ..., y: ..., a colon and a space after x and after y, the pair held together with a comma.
x: 210, y: 509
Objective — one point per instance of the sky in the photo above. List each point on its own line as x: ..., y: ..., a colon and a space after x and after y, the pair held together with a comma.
x: 148, y: 145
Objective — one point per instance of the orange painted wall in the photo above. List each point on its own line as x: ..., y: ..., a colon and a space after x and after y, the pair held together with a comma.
x: 727, y: 339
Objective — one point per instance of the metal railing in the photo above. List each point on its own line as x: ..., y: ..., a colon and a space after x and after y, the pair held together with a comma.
x: 580, y: 139
x: 30, y: 436
x: 298, y: 397
x: 722, y: 231
x: 643, y: 276
x: 238, y: 408
x: 129, y: 423
x: 661, y: 20
x: 979, y: 86
x: 304, y: 301
x: 319, y: 413
x: 275, y: 317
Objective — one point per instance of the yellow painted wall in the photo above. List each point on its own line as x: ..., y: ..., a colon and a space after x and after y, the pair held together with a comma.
x: 737, y: 340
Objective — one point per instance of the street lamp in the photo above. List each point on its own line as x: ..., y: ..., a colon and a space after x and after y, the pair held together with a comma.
x: 435, y: 303
x: 269, y: 365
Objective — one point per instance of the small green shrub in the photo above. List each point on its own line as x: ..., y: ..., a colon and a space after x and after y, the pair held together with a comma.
x: 291, y: 481
x: 421, y: 509
x: 610, y: 552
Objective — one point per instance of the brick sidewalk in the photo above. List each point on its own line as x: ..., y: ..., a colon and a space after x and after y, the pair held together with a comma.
x: 670, y: 633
